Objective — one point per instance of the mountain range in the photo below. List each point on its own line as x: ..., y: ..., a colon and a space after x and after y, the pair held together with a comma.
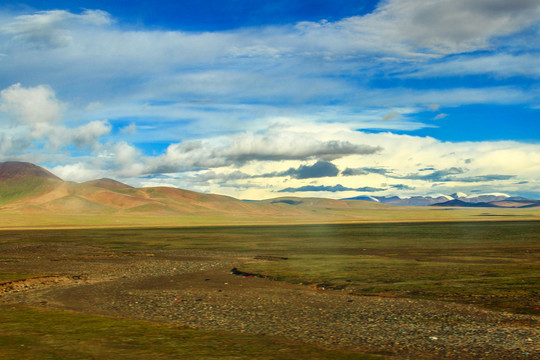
x: 455, y: 200
x: 28, y: 188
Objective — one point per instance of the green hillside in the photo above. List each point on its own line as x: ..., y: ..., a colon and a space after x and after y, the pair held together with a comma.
x: 19, y: 180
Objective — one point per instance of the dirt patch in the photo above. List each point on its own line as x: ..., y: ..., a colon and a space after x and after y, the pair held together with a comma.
x: 38, y: 282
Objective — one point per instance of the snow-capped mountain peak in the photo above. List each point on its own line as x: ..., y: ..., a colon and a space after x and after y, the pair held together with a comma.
x: 437, y: 199
x: 448, y: 197
x: 459, y: 195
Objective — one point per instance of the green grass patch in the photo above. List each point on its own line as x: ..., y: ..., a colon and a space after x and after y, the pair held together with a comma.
x: 8, y: 276
x: 13, y: 190
x: 29, y: 333
x: 504, y: 286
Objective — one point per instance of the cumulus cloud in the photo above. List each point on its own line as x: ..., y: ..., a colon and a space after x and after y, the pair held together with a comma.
x: 77, y: 172
x: 452, y: 26
x: 244, y: 79
x: 86, y: 136
x: 127, y: 160
x: 400, y: 157
x: 129, y: 129
x: 318, y: 170
x: 32, y: 106
x: 247, y: 73
x: 36, y: 114
x: 278, y: 145
x: 272, y: 145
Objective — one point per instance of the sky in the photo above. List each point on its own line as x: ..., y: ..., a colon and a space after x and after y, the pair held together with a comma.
x: 262, y: 99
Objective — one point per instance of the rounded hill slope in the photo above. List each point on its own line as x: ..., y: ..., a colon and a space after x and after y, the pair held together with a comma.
x: 15, y: 170
x: 21, y: 180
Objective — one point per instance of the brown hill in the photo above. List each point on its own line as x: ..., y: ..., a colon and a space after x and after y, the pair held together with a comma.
x: 20, y: 180
x: 15, y: 170
x: 109, y: 184
x: 27, y: 188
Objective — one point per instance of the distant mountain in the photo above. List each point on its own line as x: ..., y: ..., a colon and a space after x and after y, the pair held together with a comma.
x: 456, y: 199
x: 484, y: 198
x: 410, y: 201
x: 460, y: 203
x: 459, y: 196
x: 364, y: 198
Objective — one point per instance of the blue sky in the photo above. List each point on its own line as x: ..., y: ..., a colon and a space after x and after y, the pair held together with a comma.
x: 395, y: 97
x: 210, y: 15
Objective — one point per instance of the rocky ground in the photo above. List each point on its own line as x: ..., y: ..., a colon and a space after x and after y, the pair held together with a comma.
x: 197, y: 289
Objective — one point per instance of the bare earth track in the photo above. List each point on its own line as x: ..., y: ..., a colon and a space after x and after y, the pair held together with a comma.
x: 197, y: 289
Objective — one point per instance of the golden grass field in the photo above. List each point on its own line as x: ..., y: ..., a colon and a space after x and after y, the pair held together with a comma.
x: 315, y: 215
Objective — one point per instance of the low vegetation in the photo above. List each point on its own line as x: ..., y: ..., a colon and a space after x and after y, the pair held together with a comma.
x: 4, y: 277
x: 491, y: 264
x: 494, y: 265
x: 29, y: 333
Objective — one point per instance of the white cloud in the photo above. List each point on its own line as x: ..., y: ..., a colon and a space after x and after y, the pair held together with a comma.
x: 499, y: 65
x: 127, y: 160
x: 451, y: 26
x: 255, y: 101
x: 214, y: 165
x: 391, y: 116
x: 33, y: 106
x: 36, y: 114
x: 87, y: 58
x: 93, y: 106
x: 129, y: 129
x: 50, y: 29
x: 232, y: 164
x: 95, y: 17
x: 440, y: 116
x: 77, y: 172
x: 273, y: 145
x: 86, y: 136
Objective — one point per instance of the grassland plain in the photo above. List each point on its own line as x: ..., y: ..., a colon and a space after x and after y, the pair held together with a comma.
x: 309, y: 215
x: 489, y: 264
